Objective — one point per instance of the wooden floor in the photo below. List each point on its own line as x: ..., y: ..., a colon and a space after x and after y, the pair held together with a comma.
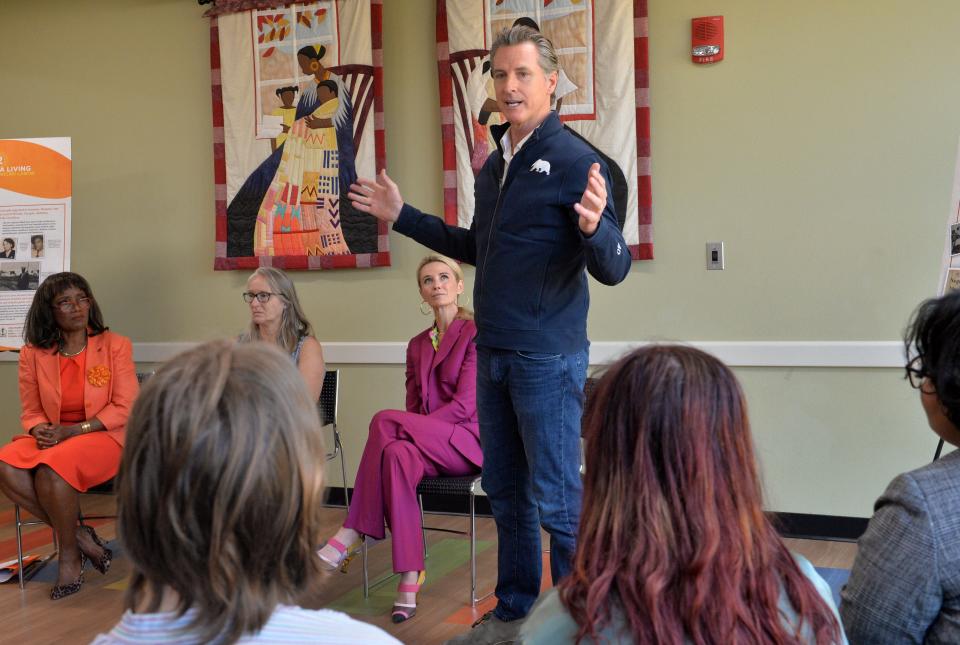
x: 31, y: 617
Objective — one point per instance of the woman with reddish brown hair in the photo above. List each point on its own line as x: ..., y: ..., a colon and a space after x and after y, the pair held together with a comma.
x: 673, y: 543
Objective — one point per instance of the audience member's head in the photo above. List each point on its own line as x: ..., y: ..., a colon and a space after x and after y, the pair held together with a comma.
x: 933, y: 350
x: 672, y: 533
x: 522, y: 33
x: 220, y: 488
x: 435, y: 260
x: 275, y: 308
x: 58, y: 299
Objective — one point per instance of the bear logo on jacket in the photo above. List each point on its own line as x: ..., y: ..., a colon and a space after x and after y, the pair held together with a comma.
x: 541, y: 166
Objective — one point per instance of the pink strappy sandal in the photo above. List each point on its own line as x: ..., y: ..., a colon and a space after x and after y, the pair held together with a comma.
x: 402, y: 612
x: 346, y: 555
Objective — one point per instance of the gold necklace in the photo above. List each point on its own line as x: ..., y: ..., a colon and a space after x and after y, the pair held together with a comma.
x: 66, y: 355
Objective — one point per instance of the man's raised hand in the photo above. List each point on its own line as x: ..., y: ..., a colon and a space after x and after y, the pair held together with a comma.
x: 594, y: 200
x: 380, y: 198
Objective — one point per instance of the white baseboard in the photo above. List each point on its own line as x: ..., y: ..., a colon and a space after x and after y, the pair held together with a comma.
x: 735, y: 353
x: 789, y: 353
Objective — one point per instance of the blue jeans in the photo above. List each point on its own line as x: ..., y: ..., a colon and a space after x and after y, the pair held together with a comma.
x: 529, y: 405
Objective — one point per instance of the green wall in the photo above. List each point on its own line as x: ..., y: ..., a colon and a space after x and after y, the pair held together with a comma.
x: 820, y: 151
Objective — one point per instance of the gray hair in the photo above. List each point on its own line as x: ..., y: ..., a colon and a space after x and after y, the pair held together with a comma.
x: 519, y: 34
x: 293, y: 322
x: 222, y: 438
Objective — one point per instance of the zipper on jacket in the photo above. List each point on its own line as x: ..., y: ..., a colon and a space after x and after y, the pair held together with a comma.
x: 496, y: 208
x: 493, y: 220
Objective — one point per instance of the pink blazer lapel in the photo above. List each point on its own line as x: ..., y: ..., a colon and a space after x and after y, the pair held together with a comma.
x: 449, y: 340
x: 431, y: 360
x: 425, y: 360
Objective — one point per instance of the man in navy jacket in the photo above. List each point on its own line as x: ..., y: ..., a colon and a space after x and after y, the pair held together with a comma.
x: 542, y: 215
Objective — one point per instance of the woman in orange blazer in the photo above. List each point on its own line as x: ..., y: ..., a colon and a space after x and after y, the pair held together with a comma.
x: 77, y: 385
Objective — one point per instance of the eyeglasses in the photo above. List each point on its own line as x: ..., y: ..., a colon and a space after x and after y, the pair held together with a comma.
x: 262, y: 297
x: 68, y: 306
x: 916, y: 374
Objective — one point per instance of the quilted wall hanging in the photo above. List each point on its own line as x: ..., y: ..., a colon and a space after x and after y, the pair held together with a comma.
x: 602, y: 94
x: 297, y: 109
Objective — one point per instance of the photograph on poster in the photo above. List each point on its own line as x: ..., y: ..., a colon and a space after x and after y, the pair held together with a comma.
x: 955, y: 239
x: 952, y: 282
x: 19, y: 276
x: 36, y: 246
x: 8, y: 248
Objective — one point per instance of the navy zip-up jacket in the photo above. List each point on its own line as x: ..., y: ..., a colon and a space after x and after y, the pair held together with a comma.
x: 531, y: 290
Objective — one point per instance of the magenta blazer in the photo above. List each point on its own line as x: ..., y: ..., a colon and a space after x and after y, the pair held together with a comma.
x: 442, y: 384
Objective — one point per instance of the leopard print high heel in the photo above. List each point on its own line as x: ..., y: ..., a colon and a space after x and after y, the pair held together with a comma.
x: 101, y: 564
x: 62, y: 591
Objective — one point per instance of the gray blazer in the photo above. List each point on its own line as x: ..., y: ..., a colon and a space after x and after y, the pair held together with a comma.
x: 905, y: 583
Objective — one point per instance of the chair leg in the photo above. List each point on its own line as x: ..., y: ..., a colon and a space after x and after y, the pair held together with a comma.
x: 343, y: 470
x: 16, y: 516
x: 19, y: 524
x: 363, y: 557
x: 473, y: 551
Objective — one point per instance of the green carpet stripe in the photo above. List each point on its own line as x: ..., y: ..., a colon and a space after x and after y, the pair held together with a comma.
x: 445, y: 557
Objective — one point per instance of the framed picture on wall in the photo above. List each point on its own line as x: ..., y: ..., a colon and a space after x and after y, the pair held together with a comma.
x: 297, y: 108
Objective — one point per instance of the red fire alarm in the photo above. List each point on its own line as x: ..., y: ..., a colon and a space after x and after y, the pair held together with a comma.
x: 706, y: 37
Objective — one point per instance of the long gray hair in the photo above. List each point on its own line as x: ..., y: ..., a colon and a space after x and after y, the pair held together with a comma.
x: 293, y: 322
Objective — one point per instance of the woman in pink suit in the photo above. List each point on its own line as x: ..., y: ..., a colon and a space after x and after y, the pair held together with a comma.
x: 438, y: 434
x: 77, y: 384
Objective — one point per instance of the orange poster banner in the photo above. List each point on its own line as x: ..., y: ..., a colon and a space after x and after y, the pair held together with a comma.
x: 33, y: 169
x: 35, y: 201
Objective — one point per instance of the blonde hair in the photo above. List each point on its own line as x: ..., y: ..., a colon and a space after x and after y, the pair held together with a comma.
x: 293, y: 322
x: 221, y: 486
x: 463, y: 313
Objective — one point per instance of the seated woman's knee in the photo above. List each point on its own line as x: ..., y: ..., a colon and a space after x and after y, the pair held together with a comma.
x: 47, y: 475
x: 7, y: 471
x: 383, y: 420
x: 398, y: 451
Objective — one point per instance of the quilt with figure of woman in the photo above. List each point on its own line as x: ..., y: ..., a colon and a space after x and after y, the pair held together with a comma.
x: 297, y: 94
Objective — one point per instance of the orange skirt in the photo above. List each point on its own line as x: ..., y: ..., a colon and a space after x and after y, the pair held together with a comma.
x: 83, y: 461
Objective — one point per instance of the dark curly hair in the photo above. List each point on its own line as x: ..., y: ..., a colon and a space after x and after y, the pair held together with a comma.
x: 40, y: 329
x: 932, y: 342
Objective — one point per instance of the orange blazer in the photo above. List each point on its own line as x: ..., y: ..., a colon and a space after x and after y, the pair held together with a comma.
x: 110, y: 403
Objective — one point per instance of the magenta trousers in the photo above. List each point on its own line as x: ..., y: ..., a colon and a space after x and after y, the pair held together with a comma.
x: 402, y: 448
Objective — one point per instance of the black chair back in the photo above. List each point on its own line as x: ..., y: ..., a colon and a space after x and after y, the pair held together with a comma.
x: 328, y: 398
